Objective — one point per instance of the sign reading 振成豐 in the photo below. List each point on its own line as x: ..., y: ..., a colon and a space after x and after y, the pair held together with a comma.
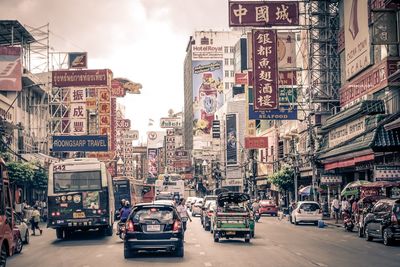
x: 84, y: 143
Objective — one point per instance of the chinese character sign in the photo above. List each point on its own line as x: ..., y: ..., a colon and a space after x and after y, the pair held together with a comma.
x: 265, y: 69
x: 261, y: 13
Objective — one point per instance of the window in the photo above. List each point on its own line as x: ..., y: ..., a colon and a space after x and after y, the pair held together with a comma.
x: 226, y: 49
x: 232, y: 61
x: 232, y: 73
x: 232, y: 49
x: 226, y: 61
x: 226, y: 85
x: 227, y: 73
x: 77, y: 181
x: 232, y: 84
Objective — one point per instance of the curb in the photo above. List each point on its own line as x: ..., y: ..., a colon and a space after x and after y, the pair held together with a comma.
x: 333, y: 224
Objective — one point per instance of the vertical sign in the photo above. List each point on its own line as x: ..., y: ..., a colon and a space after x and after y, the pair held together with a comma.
x: 152, y: 156
x: 231, y: 139
x: 265, y: 69
x: 10, y: 69
x: 356, y: 36
x: 78, y: 111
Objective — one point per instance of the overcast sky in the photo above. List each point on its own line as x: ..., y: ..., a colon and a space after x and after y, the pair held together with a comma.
x: 142, y: 40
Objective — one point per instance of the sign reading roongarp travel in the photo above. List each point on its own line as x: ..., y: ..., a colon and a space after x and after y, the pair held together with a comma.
x: 80, y: 143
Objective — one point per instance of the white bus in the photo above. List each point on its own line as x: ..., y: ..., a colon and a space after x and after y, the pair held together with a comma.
x: 175, y: 187
x: 80, y: 197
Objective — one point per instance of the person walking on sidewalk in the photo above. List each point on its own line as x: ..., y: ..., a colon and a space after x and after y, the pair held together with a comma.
x: 35, y: 221
x: 182, y: 210
x: 335, y: 207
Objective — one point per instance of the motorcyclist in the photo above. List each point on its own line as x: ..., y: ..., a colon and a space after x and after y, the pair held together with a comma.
x: 125, y: 211
x: 121, y: 206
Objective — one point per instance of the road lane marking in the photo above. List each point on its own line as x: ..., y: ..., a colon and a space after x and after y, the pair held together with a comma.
x: 197, y: 245
x: 202, y: 253
x: 207, y: 264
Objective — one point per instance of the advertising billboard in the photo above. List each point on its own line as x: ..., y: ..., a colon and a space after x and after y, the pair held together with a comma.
x: 207, y: 94
x: 265, y: 69
x: 231, y: 139
x: 262, y: 14
x: 77, y: 60
x: 170, y: 122
x: 80, y: 143
x: 10, y: 69
x: 356, y: 36
x: 79, y: 78
x: 152, y: 156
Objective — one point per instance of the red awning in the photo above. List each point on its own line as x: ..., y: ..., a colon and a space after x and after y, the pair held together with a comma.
x: 348, y: 162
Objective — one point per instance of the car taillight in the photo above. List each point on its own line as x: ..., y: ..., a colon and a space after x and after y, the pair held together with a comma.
x: 130, y: 226
x: 55, y: 213
x: 98, y: 211
x: 177, y: 226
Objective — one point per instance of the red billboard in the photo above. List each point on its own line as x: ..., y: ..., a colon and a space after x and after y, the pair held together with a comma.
x: 241, y: 78
x: 79, y: 78
x: 262, y: 14
x: 10, y: 69
x: 265, y: 69
x: 255, y: 142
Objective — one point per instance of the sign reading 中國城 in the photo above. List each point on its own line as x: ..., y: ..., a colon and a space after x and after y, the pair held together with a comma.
x: 261, y: 13
x: 80, y: 143
x: 265, y: 69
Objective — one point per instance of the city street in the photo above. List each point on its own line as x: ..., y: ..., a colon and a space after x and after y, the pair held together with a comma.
x: 277, y: 243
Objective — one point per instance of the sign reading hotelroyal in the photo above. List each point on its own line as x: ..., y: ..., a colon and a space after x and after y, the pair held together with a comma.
x: 71, y: 78
x: 261, y: 13
x: 80, y: 143
x: 265, y: 66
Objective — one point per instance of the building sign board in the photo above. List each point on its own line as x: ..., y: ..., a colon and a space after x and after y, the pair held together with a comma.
x: 170, y: 122
x: 231, y: 139
x: 255, y: 142
x: 387, y: 173
x: 77, y: 60
x: 262, y: 14
x: 10, y: 69
x: 346, y: 132
x: 79, y: 78
x: 80, y: 143
x: 331, y: 179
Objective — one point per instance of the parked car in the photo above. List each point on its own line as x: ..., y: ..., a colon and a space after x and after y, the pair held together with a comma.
x: 22, y: 225
x: 210, y: 208
x: 207, y: 201
x: 307, y: 211
x: 383, y: 221
x: 197, y: 207
x: 268, y: 207
x: 17, y: 239
x: 364, y: 207
x: 153, y: 227
x: 194, y: 200
x: 189, y: 201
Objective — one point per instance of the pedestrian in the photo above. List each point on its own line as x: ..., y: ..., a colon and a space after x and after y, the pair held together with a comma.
x: 35, y: 219
x: 345, y: 205
x: 335, y: 207
x: 255, y: 206
x: 182, y: 210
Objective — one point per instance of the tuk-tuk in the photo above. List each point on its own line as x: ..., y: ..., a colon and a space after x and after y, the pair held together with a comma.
x: 364, y: 207
x: 233, y: 217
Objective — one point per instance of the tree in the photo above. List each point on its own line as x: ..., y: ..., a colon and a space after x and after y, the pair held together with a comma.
x: 283, y: 179
x: 39, y: 181
x: 20, y: 173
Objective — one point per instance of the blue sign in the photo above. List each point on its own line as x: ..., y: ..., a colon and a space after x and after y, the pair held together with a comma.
x: 288, y: 112
x: 85, y: 143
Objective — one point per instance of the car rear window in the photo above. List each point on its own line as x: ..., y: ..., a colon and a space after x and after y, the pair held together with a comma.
x: 267, y: 203
x: 159, y: 214
x: 309, y: 206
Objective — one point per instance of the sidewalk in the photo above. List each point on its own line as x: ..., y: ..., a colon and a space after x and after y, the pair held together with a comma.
x: 332, y: 222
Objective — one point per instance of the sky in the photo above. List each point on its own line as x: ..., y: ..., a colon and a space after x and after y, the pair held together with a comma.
x: 142, y: 40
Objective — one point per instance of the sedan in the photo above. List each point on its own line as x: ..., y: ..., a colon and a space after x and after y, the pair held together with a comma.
x: 197, y: 208
x: 23, y: 228
x: 268, y: 207
x: 307, y: 211
x: 153, y: 227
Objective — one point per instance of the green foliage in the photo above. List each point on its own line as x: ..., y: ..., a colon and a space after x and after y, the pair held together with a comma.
x: 283, y: 179
x: 40, y: 180
x: 20, y: 173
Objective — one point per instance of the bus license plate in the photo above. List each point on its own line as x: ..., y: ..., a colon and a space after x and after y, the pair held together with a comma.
x: 231, y: 233
x: 153, y: 228
x: 78, y: 215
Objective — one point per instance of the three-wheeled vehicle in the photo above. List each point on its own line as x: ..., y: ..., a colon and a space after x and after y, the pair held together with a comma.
x: 233, y: 217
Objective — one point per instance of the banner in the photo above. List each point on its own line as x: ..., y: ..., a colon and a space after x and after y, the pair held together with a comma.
x: 265, y: 69
x: 77, y: 60
x: 356, y: 36
x: 10, y: 69
x: 80, y: 143
x: 231, y: 139
x: 152, y: 156
x: 207, y: 94
x: 255, y: 142
x: 262, y: 14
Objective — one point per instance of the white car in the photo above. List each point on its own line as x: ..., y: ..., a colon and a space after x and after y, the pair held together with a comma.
x: 197, y: 207
x: 23, y: 228
x: 307, y: 211
x: 189, y: 201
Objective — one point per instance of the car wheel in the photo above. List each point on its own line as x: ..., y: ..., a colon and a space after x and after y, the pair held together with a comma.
x: 180, y: 252
x: 60, y: 233
x: 129, y: 253
x: 367, y: 235
x: 216, y: 238
x: 252, y: 234
x: 19, y: 245
x: 247, y: 240
x: 3, y: 256
x: 387, y: 241
x: 108, y: 231
x: 316, y: 223
x: 26, y: 237
x: 360, y: 232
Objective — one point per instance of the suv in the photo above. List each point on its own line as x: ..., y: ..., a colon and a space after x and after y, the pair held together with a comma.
x: 383, y: 221
x: 153, y: 227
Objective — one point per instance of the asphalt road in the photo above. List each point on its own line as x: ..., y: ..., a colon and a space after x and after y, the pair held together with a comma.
x: 277, y: 243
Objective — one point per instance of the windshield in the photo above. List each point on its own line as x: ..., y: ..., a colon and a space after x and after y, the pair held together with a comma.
x: 77, y: 181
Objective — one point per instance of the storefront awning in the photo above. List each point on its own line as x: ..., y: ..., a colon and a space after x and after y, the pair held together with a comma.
x: 393, y: 125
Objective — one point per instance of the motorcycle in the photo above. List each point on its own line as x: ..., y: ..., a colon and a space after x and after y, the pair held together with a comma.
x: 121, y: 230
x: 348, y: 222
x: 257, y: 216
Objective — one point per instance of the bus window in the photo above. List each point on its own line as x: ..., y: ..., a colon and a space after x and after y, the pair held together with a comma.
x: 77, y: 181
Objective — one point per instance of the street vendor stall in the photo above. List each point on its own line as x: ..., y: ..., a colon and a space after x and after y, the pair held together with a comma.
x: 353, y: 188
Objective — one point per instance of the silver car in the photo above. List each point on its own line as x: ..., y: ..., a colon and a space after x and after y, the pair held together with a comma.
x: 22, y: 225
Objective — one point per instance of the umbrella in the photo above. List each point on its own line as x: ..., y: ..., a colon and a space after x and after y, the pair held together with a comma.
x: 351, y: 188
x: 306, y: 191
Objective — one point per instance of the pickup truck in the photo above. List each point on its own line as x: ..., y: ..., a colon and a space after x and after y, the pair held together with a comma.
x: 233, y: 217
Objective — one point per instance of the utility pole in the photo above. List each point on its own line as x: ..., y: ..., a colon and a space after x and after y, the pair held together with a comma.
x: 312, y: 155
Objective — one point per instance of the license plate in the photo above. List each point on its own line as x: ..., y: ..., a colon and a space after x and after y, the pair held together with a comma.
x: 153, y: 228
x: 78, y: 215
x: 230, y: 233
